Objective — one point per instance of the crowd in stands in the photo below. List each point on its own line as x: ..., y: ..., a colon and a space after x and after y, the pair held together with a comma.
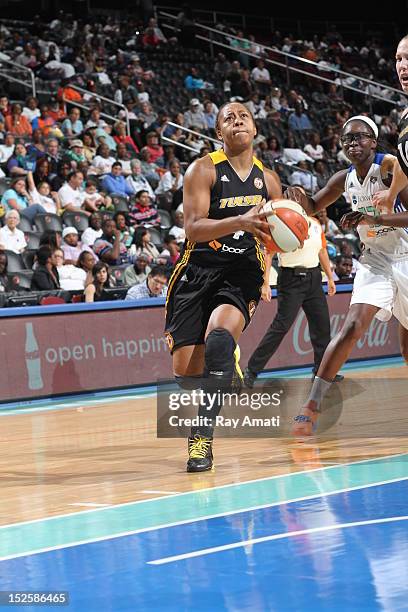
x: 91, y: 191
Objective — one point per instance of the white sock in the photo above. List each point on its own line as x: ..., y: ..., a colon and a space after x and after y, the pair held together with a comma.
x: 319, y: 389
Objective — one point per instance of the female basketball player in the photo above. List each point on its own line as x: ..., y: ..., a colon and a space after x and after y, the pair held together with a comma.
x: 381, y: 283
x: 400, y: 178
x: 216, y: 286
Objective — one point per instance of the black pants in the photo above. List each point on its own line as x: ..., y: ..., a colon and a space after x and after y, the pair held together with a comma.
x: 296, y: 291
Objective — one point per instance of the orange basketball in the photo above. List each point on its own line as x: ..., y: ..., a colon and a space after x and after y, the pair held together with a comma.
x: 288, y: 224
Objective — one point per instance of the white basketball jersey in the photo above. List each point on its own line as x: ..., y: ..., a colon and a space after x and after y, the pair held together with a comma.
x: 392, y: 241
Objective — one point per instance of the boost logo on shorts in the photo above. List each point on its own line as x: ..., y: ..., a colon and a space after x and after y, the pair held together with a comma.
x: 251, y: 308
x: 170, y: 340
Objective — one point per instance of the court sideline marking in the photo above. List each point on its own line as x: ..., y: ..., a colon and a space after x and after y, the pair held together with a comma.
x: 278, y: 536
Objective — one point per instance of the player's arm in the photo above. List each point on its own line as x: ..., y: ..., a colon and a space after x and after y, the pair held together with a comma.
x: 388, y: 219
x: 385, y: 198
x: 273, y: 184
x: 323, y: 198
x: 266, y: 288
x: 198, y: 182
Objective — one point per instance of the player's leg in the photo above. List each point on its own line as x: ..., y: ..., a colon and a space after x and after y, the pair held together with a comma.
x: 403, y: 338
x: 224, y: 328
x: 188, y: 365
x: 357, y: 321
x: 291, y: 291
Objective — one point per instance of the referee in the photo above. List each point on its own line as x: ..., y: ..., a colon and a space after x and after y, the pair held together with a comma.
x: 299, y: 285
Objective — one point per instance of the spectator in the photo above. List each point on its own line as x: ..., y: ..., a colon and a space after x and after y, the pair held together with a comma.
x: 51, y: 238
x: 94, y: 230
x: 42, y: 171
x: 71, y: 277
x: 137, y: 181
x: 44, y: 122
x: 115, y: 182
x: 210, y: 116
x: 64, y: 171
x: 5, y: 284
x: 75, y: 153
x: 122, y: 137
x: 11, y: 238
x: 36, y: 148
x: 192, y: 82
x: 222, y: 66
x: 45, y: 275
x: 154, y: 148
x: 7, y: 148
x: 17, y: 198
x: 70, y: 194
x: 142, y: 245
x: 53, y: 155
x: 41, y: 194
x: 171, y: 250
x: 303, y: 177
x: 95, y: 291
x: 137, y: 273
x: 149, y: 169
x: 94, y: 120
x: 171, y: 181
x: 89, y: 146
x: 147, y: 115
x: 343, y: 269
x: 262, y: 78
x: 299, y: 120
x: 93, y: 199
x: 313, y: 148
x: 273, y: 151
x: 321, y: 172
x: 126, y: 232
x: 73, y: 126
x: 104, y: 136
x: 102, y: 163
x: 155, y: 285
x: 142, y: 212
x: 153, y: 36
x: 71, y: 246
x: 109, y: 247
x: 329, y: 227
x: 86, y: 261
x: 18, y: 124
x: 178, y: 230
x: 195, y: 116
x: 20, y: 163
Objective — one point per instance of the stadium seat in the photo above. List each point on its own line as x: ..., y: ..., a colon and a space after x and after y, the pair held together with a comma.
x: 15, y: 262
x: 25, y: 225
x: 156, y: 236
x: 32, y: 239
x: 120, y: 202
x: 165, y: 219
x: 79, y: 220
x: 48, y: 221
x: 47, y: 300
x: 21, y: 281
x: 29, y: 257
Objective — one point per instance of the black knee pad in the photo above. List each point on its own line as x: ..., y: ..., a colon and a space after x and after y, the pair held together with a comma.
x: 219, y: 352
x: 189, y: 383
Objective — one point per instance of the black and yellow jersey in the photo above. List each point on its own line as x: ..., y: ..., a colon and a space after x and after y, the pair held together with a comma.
x: 402, y: 150
x: 231, y: 196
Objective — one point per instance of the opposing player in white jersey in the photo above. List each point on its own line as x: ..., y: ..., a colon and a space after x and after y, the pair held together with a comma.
x: 381, y: 283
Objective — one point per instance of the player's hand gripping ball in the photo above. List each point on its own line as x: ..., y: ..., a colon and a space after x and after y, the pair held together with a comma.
x: 288, y: 225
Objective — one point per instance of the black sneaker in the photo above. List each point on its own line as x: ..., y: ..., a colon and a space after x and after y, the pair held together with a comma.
x: 200, y: 455
x: 249, y: 378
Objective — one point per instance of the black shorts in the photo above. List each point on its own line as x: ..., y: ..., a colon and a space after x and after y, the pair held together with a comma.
x: 194, y: 292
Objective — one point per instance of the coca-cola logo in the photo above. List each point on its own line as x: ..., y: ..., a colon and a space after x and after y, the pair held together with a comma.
x: 376, y: 336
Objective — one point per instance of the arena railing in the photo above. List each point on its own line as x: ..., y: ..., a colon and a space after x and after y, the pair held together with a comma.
x: 184, y: 129
x: 97, y: 97
x: 8, y: 72
x: 221, y: 39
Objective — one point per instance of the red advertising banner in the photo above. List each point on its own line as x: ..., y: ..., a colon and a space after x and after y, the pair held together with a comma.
x: 82, y: 351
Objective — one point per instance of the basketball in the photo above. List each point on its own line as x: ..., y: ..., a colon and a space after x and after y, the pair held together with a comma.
x: 288, y: 224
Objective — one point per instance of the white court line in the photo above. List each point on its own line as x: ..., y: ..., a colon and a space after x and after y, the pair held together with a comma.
x: 91, y: 505
x: 192, y: 520
x: 278, y: 536
x: 230, y: 485
x: 162, y: 492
